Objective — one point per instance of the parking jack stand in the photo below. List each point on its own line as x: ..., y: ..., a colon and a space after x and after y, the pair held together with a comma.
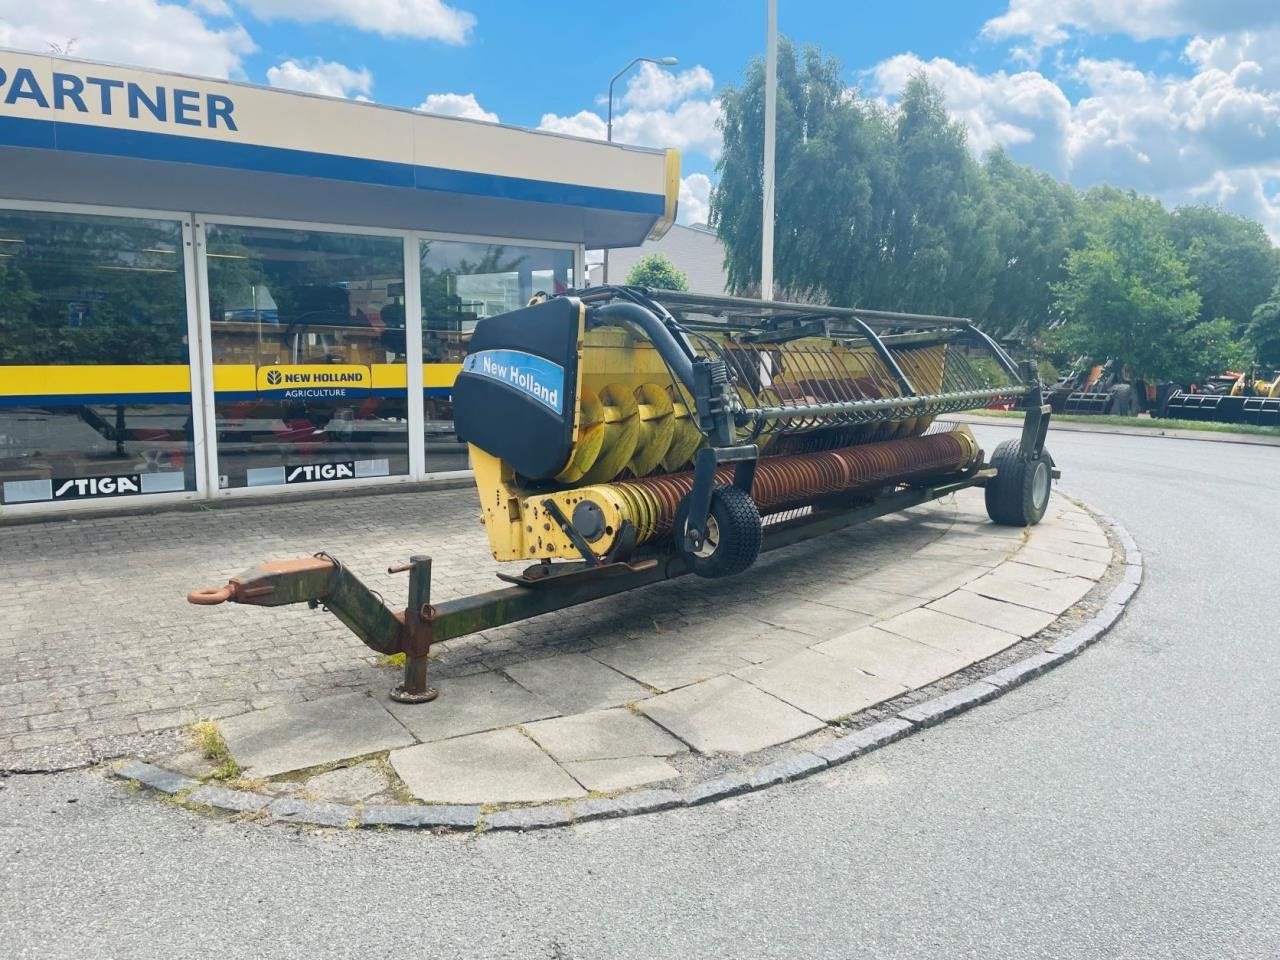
x: 418, y: 617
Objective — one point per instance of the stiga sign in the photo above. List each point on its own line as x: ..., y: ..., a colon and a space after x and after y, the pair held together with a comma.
x: 311, y: 472
x: 84, y: 488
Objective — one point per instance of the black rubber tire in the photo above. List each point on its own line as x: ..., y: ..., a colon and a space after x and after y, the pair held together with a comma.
x: 1123, y: 402
x: 739, y: 534
x: 1018, y: 495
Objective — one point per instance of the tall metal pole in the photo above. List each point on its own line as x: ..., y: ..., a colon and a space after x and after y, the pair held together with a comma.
x: 660, y: 61
x: 770, y: 131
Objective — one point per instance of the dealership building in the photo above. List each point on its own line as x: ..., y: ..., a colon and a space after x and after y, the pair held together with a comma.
x: 211, y: 290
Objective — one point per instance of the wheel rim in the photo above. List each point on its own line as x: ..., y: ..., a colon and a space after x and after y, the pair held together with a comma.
x: 710, y: 541
x: 1040, y: 484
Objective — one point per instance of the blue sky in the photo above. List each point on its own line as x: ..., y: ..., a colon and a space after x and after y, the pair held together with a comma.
x: 1177, y: 98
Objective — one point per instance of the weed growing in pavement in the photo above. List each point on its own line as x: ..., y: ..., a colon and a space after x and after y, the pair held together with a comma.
x: 210, y: 743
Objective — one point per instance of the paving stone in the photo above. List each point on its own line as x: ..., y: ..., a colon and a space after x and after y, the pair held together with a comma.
x: 927, y: 578
x: 827, y: 687
x: 1024, y: 669
x: 498, y: 766
x: 1051, y: 560
x: 813, y: 619
x: 528, y: 818
x: 191, y: 763
x: 304, y: 811
x: 1069, y: 548
x: 728, y: 715
x: 603, y: 735
x: 729, y: 785
x: 949, y: 704
x: 606, y: 776
x: 47, y: 759
x: 156, y: 778
x: 235, y: 801
x: 893, y: 657
x: 859, y: 598
x: 575, y: 683
x: 669, y: 661
x: 1009, y: 617
x: 471, y: 704
x: 863, y: 741
x: 1053, y: 598
x: 966, y: 639
x: 297, y: 736
x: 789, y: 768
x: 349, y: 784
x: 421, y: 815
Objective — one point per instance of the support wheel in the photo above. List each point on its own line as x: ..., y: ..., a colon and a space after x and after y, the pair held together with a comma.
x: 1018, y: 495
x: 733, y: 534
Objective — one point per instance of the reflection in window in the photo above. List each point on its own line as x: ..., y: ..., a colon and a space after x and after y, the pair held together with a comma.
x: 308, y: 337
x: 95, y: 390
x: 463, y: 283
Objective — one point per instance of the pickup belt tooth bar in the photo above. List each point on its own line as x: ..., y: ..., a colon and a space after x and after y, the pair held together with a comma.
x: 790, y: 482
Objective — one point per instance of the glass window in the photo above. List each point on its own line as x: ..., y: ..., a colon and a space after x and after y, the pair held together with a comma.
x: 308, y: 338
x: 462, y: 283
x: 95, y: 387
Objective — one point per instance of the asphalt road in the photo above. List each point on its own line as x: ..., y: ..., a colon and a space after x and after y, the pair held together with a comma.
x: 1125, y: 805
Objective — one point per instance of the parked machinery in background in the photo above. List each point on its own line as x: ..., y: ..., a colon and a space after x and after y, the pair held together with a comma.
x: 1097, y: 388
x: 621, y: 436
x: 1231, y: 398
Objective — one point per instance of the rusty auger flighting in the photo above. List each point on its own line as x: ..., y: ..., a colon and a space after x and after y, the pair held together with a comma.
x: 621, y: 436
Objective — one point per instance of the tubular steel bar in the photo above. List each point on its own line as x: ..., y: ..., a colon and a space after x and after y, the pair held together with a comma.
x: 324, y: 580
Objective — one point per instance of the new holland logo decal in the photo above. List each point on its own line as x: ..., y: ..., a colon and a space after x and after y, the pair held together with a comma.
x: 319, y: 381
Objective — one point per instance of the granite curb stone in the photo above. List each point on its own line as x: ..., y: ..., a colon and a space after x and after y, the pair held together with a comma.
x: 156, y: 778
x: 863, y: 741
x: 233, y: 801
x: 528, y: 818
x: 788, y: 768
x: 420, y: 815
x: 949, y: 704
x: 315, y: 814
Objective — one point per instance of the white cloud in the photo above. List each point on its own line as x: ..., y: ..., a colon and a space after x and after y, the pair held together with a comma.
x: 652, y: 87
x: 658, y: 109
x: 1025, y: 112
x: 145, y: 33
x: 1050, y: 22
x: 457, y: 105
x: 1212, y: 137
x: 321, y: 76
x: 423, y: 19
x: 695, y: 198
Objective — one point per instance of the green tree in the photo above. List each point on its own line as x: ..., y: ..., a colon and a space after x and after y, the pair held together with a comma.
x: 1263, y: 331
x: 1036, y: 221
x: 1232, y: 262
x: 654, y: 270
x: 1127, y: 295
x: 835, y: 184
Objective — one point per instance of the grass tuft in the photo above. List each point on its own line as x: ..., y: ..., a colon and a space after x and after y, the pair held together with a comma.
x: 210, y: 743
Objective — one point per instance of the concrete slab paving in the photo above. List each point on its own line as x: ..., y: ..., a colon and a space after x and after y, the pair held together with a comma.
x: 603, y: 735
x: 471, y: 704
x: 728, y: 715
x: 622, y: 773
x: 856, y: 597
x: 1009, y: 617
x: 773, y: 643
x: 927, y: 578
x: 820, y: 685
x: 967, y: 639
x: 575, y: 683
x: 498, y: 766
x: 349, y: 784
x: 892, y: 656
x: 1052, y: 560
x: 812, y: 618
x: 301, y: 735
x: 668, y: 661
x: 1070, y: 548
x: 1050, y: 598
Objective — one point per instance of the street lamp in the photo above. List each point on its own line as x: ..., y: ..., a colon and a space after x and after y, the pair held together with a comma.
x: 660, y: 61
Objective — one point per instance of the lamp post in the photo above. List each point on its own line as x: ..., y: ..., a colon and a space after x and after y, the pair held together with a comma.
x: 660, y: 61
